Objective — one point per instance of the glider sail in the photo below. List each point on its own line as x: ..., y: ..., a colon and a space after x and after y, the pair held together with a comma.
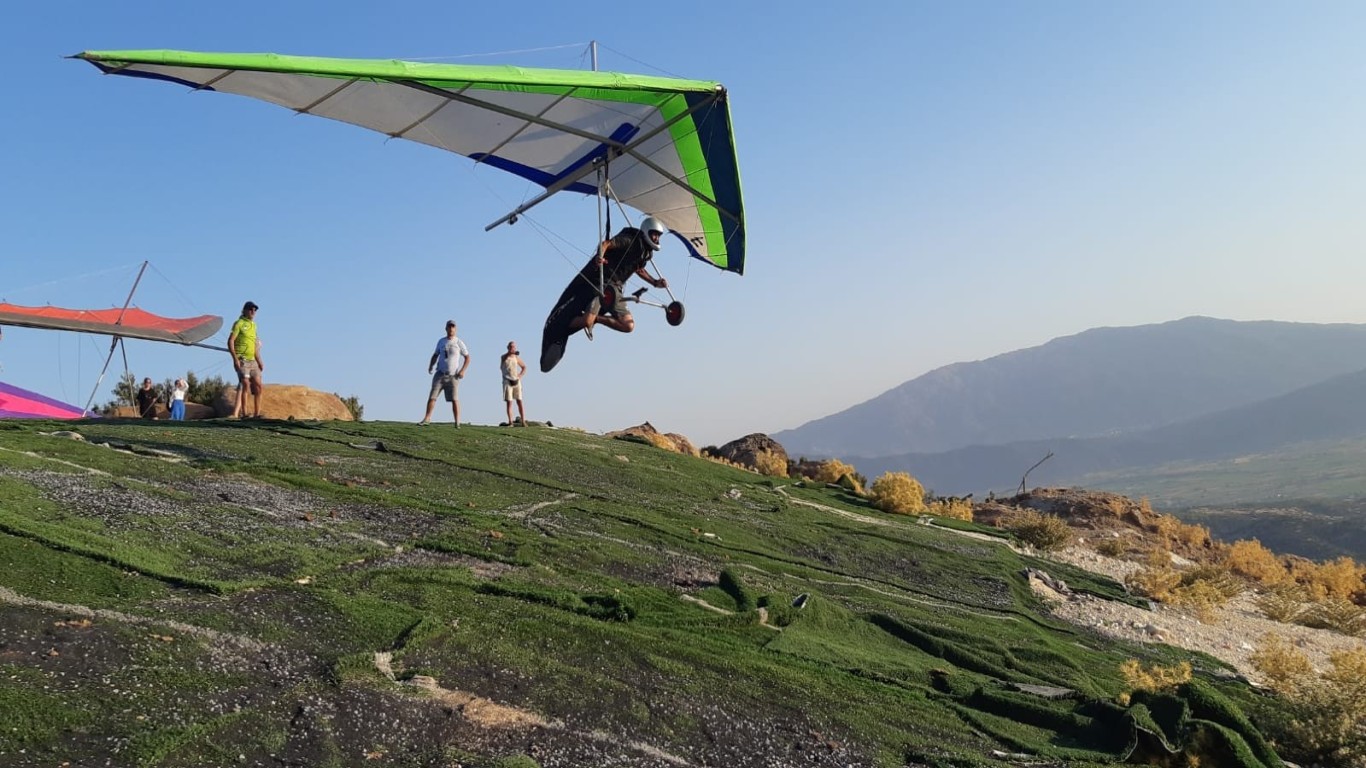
x: 665, y: 143
x: 131, y: 323
x: 17, y: 403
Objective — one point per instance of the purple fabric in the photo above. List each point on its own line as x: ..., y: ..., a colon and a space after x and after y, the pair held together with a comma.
x: 16, y: 403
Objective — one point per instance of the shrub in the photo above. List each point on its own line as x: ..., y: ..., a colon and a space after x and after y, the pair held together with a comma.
x: 899, y: 493
x: 1285, y: 603
x: 353, y: 405
x: 1202, y: 597
x: 958, y: 509
x: 1256, y: 562
x: 1110, y: 547
x: 770, y: 463
x: 1340, y: 578
x: 1158, y: 579
x: 1039, y: 529
x: 830, y: 471
x: 1336, y: 614
x: 1322, y: 719
x: 1154, y: 679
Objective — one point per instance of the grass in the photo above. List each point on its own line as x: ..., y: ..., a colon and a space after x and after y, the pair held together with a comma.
x: 535, y: 568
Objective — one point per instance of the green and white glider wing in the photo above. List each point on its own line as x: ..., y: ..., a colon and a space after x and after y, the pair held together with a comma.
x: 666, y: 143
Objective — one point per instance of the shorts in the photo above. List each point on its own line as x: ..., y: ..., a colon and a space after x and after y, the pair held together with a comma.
x: 444, y: 382
x: 512, y: 390
x: 618, y: 309
x: 250, y: 373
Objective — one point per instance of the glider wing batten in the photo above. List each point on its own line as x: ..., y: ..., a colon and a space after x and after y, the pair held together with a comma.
x: 668, y: 140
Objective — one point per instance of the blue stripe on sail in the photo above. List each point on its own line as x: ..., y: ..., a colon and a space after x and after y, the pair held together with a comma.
x: 621, y: 135
x: 113, y: 70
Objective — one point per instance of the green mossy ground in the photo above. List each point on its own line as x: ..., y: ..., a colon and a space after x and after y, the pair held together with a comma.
x: 242, y: 577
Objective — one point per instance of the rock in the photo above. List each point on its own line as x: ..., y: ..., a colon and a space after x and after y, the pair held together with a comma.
x: 289, y: 401
x: 746, y: 450
x: 646, y: 433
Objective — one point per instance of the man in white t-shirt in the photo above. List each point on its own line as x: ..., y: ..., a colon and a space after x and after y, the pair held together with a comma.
x: 447, y: 367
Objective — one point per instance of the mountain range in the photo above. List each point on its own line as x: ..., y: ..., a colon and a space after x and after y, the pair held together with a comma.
x: 1104, y: 381
x: 1256, y: 429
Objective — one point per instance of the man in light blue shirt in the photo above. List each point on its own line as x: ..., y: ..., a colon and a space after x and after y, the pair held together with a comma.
x: 447, y: 367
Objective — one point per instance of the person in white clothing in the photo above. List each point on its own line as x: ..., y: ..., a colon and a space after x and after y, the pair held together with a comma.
x: 178, y: 400
x: 447, y: 366
x: 513, y: 371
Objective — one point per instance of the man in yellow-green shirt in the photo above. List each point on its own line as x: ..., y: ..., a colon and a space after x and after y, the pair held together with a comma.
x: 245, y: 349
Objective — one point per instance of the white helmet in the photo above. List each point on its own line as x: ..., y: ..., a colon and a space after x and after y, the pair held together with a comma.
x: 651, y: 224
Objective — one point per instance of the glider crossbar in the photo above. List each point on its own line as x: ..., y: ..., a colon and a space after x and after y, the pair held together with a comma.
x: 615, y: 149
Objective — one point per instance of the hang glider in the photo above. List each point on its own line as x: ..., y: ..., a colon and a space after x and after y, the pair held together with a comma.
x: 661, y: 145
x: 17, y: 403
x: 130, y: 323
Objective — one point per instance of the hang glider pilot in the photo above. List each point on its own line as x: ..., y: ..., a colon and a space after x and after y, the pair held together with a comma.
x: 624, y: 255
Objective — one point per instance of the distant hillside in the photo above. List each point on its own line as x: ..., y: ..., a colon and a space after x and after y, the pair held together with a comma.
x: 1330, y: 410
x: 1097, y: 382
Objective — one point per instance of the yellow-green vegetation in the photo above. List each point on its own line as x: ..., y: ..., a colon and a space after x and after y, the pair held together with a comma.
x: 831, y: 470
x: 954, y: 508
x: 280, y: 592
x: 899, y: 493
x: 1321, y: 720
x: 1250, y: 559
x: 770, y: 463
x: 1203, y: 590
x: 1040, y: 530
x: 1183, y: 535
x: 1153, y: 678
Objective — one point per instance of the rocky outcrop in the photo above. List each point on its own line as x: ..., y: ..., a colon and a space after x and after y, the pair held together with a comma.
x: 748, y: 450
x: 289, y: 401
x: 646, y: 433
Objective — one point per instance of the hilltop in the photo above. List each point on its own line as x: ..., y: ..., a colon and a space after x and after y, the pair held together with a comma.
x: 338, y: 593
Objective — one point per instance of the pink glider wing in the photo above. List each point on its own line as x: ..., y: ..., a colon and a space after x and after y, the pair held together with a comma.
x: 131, y: 323
x: 16, y: 403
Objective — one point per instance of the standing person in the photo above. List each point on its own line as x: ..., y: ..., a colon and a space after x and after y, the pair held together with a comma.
x: 147, y: 400
x: 617, y: 260
x: 178, y: 400
x: 513, y: 371
x: 447, y: 367
x: 245, y: 349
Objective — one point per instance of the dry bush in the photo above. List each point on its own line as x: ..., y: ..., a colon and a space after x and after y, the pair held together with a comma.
x: 1254, y: 561
x: 718, y: 459
x: 1340, y: 579
x: 831, y: 470
x: 1154, y: 679
x: 1202, y: 597
x: 898, y: 492
x: 1165, y: 526
x: 770, y: 463
x: 1110, y: 547
x: 958, y: 509
x: 1285, y: 603
x: 1038, y: 529
x: 1190, y: 536
x: 1323, y: 717
x: 1157, y: 579
x: 1336, y: 614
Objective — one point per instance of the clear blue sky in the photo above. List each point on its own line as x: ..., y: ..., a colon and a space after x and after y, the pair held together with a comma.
x: 925, y: 183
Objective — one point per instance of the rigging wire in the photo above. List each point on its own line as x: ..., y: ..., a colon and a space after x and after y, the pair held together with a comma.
x: 642, y: 63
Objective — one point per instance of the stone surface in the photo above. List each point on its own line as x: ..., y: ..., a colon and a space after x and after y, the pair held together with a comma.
x: 289, y: 401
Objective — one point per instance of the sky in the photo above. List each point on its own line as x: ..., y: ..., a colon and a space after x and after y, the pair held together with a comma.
x: 925, y: 183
